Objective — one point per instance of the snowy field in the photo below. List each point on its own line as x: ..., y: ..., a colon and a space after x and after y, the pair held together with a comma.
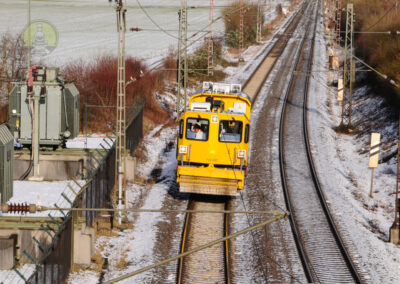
x: 87, y: 28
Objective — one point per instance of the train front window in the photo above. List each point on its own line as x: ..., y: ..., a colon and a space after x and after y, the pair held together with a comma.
x: 197, y: 129
x: 230, y: 131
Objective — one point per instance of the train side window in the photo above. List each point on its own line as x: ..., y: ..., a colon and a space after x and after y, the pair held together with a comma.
x: 246, y: 133
x: 197, y: 129
x: 230, y: 131
x: 181, y: 129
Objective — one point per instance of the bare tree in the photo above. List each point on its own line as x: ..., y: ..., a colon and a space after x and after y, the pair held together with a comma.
x: 13, y: 62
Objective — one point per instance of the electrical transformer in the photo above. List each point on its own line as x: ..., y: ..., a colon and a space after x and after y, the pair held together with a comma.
x: 58, y: 111
x: 6, y: 163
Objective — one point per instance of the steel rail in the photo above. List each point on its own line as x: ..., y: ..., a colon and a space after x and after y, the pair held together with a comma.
x: 308, y: 269
x: 302, y: 253
x: 186, y: 235
x: 280, y: 43
x: 317, y: 184
x: 278, y: 47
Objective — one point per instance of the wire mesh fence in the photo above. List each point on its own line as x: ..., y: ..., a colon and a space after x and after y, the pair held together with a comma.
x: 93, y: 191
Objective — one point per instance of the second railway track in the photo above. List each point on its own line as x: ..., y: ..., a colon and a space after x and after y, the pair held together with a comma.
x: 324, y: 256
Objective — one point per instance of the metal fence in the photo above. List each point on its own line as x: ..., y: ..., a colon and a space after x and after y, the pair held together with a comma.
x: 94, y: 192
x: 55, y: 268
x: 98, y: 192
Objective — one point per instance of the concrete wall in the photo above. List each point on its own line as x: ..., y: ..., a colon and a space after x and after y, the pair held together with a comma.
x: 24, y: 241
x: 13, y: 242
x: 7, y: 249
x: 51, y: 167
x: 83, y: 245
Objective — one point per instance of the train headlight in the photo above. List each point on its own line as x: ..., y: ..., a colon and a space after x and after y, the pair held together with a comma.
x: 182, y: 149
x: 241, y: 154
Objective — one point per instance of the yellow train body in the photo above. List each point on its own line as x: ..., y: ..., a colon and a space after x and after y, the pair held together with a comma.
x: 213, y: 141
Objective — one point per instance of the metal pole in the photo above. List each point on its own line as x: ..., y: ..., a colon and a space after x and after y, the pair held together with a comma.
x: 241, y: 26
x: 395, y: 229
x: 86, y: 121
x: 372, y: 182
x: 35, y: 137
x: 348, y: 70
x: 259, y: 24
x: 352, y: 71
x: 179, y: 75
x: 72, y: 239
x: 121, y: 109
x: 185, y: 75
x: 210, y: 43
x: 29, y: 34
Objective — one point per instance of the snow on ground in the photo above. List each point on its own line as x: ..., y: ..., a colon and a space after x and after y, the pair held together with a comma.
x: 87, y: 28
x: 136, y: 245
x: 44, y: 193
x: 92, y: 141
x: 252, y: 56
x: 345, y: 176
x: 7, y: 276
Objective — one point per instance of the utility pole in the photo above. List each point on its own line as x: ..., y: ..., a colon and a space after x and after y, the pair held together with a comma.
x: 34, y: 94
x: 121, y: 110
x: 395, y: 229
x: 210, y: 71
x: 29, y: 34
x: 182, y: 62
x: 338, y: 23
x: 241, y: 26
x: 348, y: 74
x: 259, y: 21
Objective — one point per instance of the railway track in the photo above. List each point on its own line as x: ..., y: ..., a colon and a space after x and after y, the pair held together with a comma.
x: 255, y: 82
x: 323, y: 253
x: 212, y: 264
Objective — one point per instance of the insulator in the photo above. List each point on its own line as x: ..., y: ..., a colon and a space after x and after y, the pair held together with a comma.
x: 18, y: 208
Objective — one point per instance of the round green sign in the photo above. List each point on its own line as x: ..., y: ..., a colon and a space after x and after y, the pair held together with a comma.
x: 41, y: 37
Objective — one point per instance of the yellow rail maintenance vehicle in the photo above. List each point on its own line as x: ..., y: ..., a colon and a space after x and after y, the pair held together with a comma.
x: 213, y: 141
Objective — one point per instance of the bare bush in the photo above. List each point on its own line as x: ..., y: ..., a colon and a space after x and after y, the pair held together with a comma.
x: 232, y: 23
x: 96, y: 82
x: 12, y: 67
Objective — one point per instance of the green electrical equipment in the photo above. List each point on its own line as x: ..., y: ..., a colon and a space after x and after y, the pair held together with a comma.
x: 58, y: 109
x: 6, y: 163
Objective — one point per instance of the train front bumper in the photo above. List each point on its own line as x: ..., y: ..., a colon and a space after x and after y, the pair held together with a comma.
x: 210, y: 180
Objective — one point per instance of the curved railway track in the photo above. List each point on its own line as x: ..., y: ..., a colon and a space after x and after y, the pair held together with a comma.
x: 213, y: 265
x: 323, y: 253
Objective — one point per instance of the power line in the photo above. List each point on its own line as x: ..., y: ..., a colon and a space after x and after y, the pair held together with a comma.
x: 381, y: 18
x: 154, y: 22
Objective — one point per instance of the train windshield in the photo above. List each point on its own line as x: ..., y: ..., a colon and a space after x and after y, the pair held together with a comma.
x: 230, y: 131
x: 197, y: 129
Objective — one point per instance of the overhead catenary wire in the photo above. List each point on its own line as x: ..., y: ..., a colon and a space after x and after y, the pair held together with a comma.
x: 383, y: 16
x: 199, y: 248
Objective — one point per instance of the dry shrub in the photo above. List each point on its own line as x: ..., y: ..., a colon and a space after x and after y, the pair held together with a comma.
x: 232, y: 23
x: 3, y: 113
x: 279, y: 10
x: 12, y: 63
x: 96, y: 82
x: 382, y: 51
x: 170, y: 64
